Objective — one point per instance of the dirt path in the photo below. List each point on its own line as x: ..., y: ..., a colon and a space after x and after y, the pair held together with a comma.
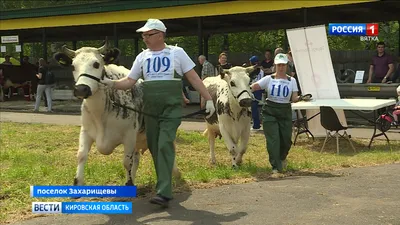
x: 356, y: 196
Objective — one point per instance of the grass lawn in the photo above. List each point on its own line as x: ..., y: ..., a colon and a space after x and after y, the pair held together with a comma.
x: 39, y: 154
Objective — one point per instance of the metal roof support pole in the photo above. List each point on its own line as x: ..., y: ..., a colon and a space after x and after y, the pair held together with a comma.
x: 398, y: 54
x: 74, y: 42
x: 115, y: 35
x: 225, y: 45
x: 205, y: 40
x: 286, y: 46
x: 136, y: 44
x: 44, y: 44
x: 200, y: 35
x: 21, y: 54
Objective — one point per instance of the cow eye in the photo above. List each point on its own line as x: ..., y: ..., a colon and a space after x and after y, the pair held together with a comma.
x: 233, y: 84
x: 96, y: 65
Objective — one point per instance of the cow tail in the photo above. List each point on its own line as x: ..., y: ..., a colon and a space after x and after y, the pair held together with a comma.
x: 205, y: 133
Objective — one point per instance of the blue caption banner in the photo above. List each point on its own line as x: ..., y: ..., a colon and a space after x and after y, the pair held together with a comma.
x: 82, y: 207
x: 347, y: 29
x: 83, y: 191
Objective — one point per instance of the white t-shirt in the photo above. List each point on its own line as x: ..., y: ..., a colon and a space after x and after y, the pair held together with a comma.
x: 161, y: 65
x: 258, y: 77
x: 278, y: 90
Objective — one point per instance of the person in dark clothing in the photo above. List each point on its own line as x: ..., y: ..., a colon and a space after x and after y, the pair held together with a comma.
x: 396, y: 74
x: 381, y: 66
x: 255, y: 76
x: 268, y: 63
x: 44, y: 85
x: 223, y: 62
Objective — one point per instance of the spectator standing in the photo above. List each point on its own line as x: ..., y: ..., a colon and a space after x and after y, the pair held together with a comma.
x: 208, y: 69
x: 255, y: 76
x: 45, y: 84
x: 381, y: 66
x: 223, y: 62
x: 268, y: 63
x: 7, y: 61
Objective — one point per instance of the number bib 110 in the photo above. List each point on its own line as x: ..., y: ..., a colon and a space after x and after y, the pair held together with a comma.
x: 280, y: 91
x: 158, y: 66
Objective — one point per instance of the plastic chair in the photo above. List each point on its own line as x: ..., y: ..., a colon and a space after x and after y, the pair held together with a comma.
x: 331, y: 123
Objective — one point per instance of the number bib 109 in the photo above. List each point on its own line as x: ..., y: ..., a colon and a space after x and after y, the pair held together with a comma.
x: 158, y: 66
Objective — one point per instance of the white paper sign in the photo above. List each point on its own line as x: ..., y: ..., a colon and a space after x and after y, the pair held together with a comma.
x: 312, y: 59
x: 359, y: 77
x: 9, y: 39
x: 18, y: 48
x: 3, y: 49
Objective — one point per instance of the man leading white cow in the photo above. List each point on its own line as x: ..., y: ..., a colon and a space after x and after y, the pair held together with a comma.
x: 162, y: 67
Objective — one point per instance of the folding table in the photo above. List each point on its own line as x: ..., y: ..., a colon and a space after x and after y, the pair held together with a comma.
x: 352, y: 104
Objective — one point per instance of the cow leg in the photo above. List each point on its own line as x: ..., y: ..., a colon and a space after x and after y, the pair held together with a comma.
x: 211, y: 142
x: 244, y: 140
x: 175, y: 169
x: 131, y: 161
x: 232, y: 147
x: 85, y: 143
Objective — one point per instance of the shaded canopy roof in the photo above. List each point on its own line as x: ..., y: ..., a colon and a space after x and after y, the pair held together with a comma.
x: 182, y: 17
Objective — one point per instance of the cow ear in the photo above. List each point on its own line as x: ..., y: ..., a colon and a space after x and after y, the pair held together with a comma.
x: 224, y: 73
x: 111, y: 55
x: 63, y: 59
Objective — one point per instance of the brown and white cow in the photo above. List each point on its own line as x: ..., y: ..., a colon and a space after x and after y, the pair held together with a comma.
x: 103, y: 123
x: 232, y: 98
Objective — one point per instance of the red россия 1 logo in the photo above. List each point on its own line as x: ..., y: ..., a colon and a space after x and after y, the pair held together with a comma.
x: 372, y: 29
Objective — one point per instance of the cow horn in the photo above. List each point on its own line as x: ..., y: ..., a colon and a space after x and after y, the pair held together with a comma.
x: 69, y: 52
x: 250, y: 69
x: 104, y: 48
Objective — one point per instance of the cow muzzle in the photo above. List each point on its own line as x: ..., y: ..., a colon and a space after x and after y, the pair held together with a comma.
x: 82, y: 91
x: 246, y: 102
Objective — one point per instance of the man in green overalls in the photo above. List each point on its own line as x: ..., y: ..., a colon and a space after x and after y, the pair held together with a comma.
x: 162, y: 67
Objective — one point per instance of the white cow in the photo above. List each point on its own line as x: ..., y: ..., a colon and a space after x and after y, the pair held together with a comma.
x: 232, y: 98
x: 102, y: 122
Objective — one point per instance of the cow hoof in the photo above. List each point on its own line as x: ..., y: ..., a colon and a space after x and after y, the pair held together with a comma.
x: 177, y: 175
x: 213, y: 161
x: 77, y: 183
x: 129, y: 183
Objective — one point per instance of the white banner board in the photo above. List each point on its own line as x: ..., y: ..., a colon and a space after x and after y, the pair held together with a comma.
x: 9, y: 39
x: 312, y: 59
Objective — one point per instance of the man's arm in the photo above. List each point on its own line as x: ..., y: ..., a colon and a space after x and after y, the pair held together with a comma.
x: 371, y: 70
x: 197, y: 83
x: 125, y: 83
x: 121, y: 84
x: 389, y: 72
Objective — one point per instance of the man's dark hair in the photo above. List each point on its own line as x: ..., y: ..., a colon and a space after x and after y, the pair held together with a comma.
x: 380, y: 43
x: 268, y: 50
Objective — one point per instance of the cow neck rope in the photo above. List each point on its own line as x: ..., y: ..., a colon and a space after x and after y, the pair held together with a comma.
x: 200, y: 112
x: 264, y: 102
x: 244, y: 91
